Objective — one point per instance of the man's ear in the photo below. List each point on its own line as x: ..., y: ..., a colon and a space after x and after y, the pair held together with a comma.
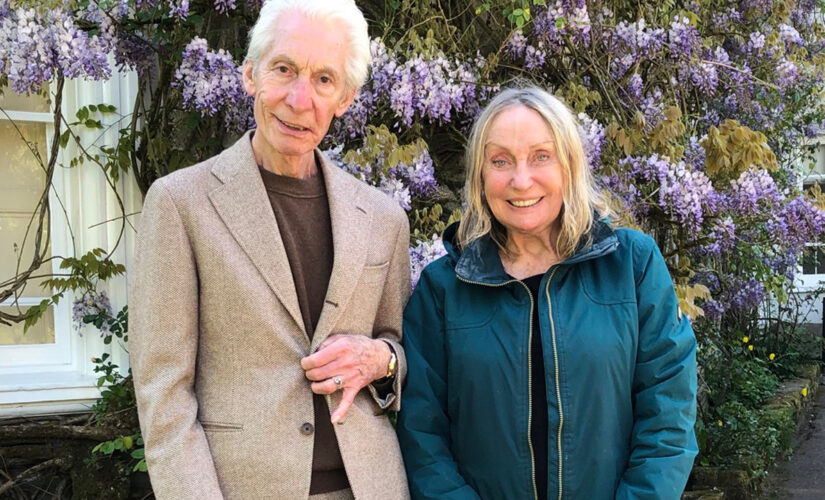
x: 349, y: 96
x: 248, y: 76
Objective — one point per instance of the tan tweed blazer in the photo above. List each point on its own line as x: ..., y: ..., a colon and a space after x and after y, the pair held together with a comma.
x: 217, y: 334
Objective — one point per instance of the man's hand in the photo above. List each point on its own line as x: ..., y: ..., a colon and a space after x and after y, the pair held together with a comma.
x: 347, y: 362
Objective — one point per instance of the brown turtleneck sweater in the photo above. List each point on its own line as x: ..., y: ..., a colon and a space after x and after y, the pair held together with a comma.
x: 302, y: 212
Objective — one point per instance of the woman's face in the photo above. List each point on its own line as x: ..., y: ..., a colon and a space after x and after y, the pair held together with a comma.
x: 522, y: 177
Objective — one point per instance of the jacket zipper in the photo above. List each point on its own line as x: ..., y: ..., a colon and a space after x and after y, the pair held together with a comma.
x: 529, y: 377
x: 556, y: 369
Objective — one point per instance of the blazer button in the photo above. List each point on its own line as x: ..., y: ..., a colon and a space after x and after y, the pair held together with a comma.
x: 307, y: 428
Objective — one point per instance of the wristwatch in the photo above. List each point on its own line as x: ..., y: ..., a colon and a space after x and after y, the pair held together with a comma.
x: 392, y: 365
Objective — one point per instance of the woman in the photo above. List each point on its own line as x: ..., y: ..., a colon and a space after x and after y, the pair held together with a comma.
x: 547, y: 356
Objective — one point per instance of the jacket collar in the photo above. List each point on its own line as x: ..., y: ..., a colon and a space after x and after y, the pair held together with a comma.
x: 480, y: 262
x: 243, y: 205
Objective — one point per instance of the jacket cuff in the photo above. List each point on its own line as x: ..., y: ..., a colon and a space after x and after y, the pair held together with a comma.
x: 387, y: 393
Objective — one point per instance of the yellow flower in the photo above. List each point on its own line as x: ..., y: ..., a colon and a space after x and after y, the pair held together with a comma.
x: 719, y: 423
x: 750, y: 347
x: 745, y: 339
x: 772, y: 356
x: 804, y: 392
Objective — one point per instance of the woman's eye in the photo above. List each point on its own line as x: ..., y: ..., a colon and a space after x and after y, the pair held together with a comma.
x: 498, y: 162
x: 542, y: 157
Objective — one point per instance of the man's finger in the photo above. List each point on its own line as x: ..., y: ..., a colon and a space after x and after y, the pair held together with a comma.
x: 346, y: 401
x: 326, y: 386
x: 335, y: 337
x: 320, y: 357
x: 326, y: 371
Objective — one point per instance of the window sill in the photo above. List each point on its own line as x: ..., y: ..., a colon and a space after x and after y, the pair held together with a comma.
x: 30, y: 394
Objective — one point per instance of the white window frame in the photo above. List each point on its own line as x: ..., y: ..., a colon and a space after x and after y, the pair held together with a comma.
x: 59, y: 377
x: 811, y: 281
x: 22, y: 357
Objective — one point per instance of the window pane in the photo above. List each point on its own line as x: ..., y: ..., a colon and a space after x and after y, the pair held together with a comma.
x: 11, y: 101
x: 809, y: 260
x: 819, y: 162
x: 21, y: 187
x: 41, y: 333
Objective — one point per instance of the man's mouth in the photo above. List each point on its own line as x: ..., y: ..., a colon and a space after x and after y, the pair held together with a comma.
x: 293, y: 126
x: 524, y: 203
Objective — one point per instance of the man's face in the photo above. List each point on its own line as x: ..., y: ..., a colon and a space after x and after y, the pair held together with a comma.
x: 299, y: 85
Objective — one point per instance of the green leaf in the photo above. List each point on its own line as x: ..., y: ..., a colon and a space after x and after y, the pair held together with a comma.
x: 64, y: 138
x: 138, y: 453
x: 194, y: 119
x: 108, y: 447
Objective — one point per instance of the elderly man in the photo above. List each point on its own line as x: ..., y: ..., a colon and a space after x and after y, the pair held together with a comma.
x: 268, y: 290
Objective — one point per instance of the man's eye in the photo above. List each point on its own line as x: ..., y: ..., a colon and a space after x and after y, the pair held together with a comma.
x: 326, y: 79
x: 282, y: 69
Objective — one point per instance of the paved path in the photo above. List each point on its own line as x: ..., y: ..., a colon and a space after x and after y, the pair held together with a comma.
x: 803, y: 477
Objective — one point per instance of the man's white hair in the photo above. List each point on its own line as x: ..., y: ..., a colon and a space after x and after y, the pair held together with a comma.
x: 356, y: 67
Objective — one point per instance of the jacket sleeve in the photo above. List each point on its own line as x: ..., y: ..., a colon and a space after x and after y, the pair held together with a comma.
x: 663, y: 443
x: 424, y: 425
x: 163, y: 348
x: 387, y: 324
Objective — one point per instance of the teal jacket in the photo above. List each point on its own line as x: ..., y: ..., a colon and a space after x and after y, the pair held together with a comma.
x: 620, y: 364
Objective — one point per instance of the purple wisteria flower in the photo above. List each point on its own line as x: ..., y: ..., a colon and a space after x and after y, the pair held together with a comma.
x: 635, y: 87
x: 722, y: 237
x: 786, y: 73
x: 562, y: 19
x: 420, y: 175
x: 653, y: 106
x: 630, y: 43
x: 683, y: 39
x: 224, y: 6
x: 210, y: 81
x: 435, y: 88
x: 91, y: 303
x: 683, y: 194
x: 34, y: 46
x: 593, y: 140
x: 423, y: 254
x: 752, y: 192
x: 790, y: 35
x: 695, y: 153
x: 179, y: 8
x: 401, y: 182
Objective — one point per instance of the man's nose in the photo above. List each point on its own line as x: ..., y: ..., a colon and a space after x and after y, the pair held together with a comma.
x: 300, y: 95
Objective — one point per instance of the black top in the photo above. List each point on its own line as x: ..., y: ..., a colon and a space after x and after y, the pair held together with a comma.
x: 538, y: 429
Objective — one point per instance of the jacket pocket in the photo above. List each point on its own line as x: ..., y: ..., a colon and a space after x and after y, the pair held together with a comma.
x: 209, y: 426
x: 472, y: 319
x: 374, y: 274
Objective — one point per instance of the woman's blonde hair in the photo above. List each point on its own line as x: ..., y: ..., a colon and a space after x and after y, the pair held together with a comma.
x: 581, y: 198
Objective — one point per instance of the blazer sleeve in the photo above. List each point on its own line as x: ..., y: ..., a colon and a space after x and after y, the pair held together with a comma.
x: 663, y: 443
x: 163, y: 349
x: 423, y: 424
x: 387, y: 326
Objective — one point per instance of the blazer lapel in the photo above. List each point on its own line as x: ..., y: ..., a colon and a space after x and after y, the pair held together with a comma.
x: 350, y: 219
x: 244, y: 207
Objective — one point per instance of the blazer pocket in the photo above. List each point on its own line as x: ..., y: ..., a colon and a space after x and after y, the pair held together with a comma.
x: 373, y: 274
x: 220, y: 426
